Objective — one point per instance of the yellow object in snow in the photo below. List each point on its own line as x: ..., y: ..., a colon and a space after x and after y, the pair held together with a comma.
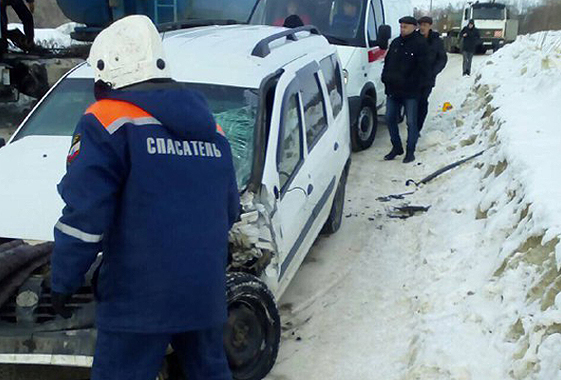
x: 447, y: 107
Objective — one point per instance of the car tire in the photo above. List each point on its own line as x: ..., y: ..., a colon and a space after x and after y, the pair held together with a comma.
x: 252, y: 332
x: 363, y: 130
x: 333, y: 222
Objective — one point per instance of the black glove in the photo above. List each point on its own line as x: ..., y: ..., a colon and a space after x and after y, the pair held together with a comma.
x: 59, y: 301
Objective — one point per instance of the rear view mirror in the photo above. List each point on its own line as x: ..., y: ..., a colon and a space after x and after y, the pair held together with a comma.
x: 2, y: 142
x: 384, y: 35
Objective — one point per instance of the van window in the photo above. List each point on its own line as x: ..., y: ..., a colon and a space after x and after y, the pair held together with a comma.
x: 371, y: 28
x: 330, y: 68
x: 290, y: 141
x: 378, y: 12
x: 315, y: 115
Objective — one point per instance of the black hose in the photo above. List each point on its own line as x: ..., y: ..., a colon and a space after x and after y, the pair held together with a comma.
x: 442, y: 170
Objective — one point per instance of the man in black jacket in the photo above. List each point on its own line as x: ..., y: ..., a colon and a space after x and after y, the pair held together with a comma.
x: 405, y: 71
x: 437, y: 61
x: 470, y: 40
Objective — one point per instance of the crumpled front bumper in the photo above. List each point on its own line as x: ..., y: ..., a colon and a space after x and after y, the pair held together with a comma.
x: 71, y: 348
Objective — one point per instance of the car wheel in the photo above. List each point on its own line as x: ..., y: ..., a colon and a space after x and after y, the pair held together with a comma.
x: 364, y: 129
x: 252, y: 332
x: 335, y: 217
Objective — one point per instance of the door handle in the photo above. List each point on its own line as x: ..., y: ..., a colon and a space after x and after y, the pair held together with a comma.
x: 310, y: 189
x: 336, y: 146
x: 276, y: 192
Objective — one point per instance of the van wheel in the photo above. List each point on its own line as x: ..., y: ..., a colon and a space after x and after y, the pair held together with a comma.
x: 364, y: 129
x: 335, y: 217
x: 252, y: 332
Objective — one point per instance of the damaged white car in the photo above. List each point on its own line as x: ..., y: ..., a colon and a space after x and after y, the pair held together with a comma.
x: 279, y: 96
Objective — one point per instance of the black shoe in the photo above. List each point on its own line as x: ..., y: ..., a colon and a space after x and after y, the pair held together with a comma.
x: 394, y: 152
x: 409, y: 157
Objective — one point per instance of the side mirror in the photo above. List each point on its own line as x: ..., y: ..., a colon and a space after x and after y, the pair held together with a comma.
x: 384, y: 35
x: 2, y: 142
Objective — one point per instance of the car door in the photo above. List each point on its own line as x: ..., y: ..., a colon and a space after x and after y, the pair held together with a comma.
x: 323, y: 147
x: 286, y: 172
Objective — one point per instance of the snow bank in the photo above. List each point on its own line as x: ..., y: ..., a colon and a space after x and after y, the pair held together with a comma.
x: 52, y: 38
x: 496, y: 273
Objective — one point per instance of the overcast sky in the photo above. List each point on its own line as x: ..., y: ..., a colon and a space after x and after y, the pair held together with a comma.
x: 425, y: 4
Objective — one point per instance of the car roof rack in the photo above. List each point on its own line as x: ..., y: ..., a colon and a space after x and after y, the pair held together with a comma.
x: 262, y: 48
x: 193, y: 23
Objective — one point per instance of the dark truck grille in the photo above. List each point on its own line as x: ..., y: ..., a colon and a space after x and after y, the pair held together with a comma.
x: 44, y: 311
x: 8, y: 311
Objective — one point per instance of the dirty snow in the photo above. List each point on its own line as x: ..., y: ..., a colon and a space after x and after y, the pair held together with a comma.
x: 469, y: 289
x: 52, y: 38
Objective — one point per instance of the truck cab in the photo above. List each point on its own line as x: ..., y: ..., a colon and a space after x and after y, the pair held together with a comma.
x: 491, y: 19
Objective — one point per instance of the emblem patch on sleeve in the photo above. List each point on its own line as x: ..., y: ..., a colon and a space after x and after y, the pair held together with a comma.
x: 74, y: 149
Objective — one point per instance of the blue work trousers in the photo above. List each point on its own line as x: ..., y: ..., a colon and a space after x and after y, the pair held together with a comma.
x: 132, y: 356
x: 393, y: 107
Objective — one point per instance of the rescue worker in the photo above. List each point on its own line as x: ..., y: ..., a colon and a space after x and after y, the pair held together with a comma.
x: 470, y: 40
x: 405, y: 71
x: 24, y: 13
x: 437, y: 62
x: 150, y: 182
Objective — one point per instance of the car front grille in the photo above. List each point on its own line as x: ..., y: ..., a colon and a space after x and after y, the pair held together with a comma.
x: 44, y: 311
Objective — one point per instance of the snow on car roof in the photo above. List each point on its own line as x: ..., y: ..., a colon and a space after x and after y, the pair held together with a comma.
x: 222, y: 54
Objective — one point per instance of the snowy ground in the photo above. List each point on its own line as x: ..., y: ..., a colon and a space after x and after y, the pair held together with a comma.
x: 466, y: 291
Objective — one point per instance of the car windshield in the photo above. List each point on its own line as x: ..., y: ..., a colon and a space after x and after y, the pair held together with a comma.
x: 234, y: 108
x: 338, y: 20
x: 489, y: 13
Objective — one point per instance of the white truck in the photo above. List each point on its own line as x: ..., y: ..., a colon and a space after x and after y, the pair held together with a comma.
x: 492, y: 19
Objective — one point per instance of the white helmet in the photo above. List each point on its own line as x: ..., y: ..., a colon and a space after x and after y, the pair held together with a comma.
x: 127, y: 52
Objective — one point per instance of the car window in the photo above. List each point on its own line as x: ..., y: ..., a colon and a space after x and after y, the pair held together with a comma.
x: 378, y: 12
x: 371, y: 27
x: 315, y: 115
x: 290, y: 152
x: 330, y: 68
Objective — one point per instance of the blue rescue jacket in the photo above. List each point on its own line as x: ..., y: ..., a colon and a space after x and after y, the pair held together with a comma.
x: 151, y: 183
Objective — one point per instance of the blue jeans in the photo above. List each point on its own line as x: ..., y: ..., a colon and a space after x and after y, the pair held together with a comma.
x: 131, y: 356
x: 393, y: 106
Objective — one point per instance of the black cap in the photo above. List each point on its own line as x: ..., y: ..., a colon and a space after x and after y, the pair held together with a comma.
x: 425, y: 20
x: 408, y: 20
x: 293, y: 21
x: 472, y: 21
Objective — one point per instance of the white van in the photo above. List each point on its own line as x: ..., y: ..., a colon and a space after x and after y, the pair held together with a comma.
x: 361, y: 30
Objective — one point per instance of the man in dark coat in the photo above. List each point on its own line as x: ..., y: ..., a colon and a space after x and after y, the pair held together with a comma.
x: 437, y: 61
x: 406, y: 70
x: 470, y: 40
